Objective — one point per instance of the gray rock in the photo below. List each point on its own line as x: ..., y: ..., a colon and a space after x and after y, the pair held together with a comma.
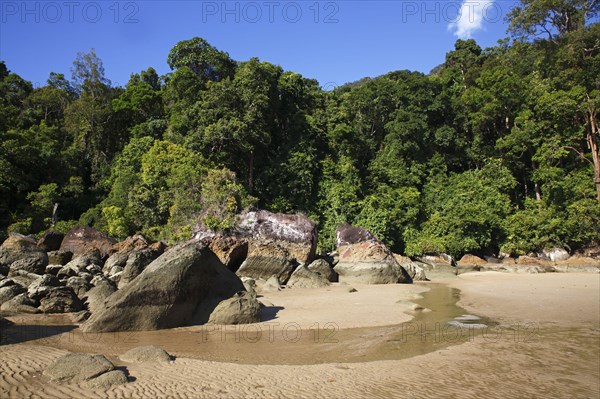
x: 303, y: 277
x: 243, y: 308
x: 66, y: 271
x: 135, y: 265
x: 79, y: 285
x: 271, y: 284
x: 31, y: 265
x: 108, y: 380
x: 143, y: 354
x: 60, y: 300
x: 23, y: 277
x: 182, y: 287
x: 59, y: 257
x: 95, y: 298
x: 322, y: 267
x: 8, y: 292
x: 84, y: 262
x: 117, y: 259
x: 77, y: 367
x: 41, y: 287
x: 267, y: 258
x: 19, y: 304
x: 53, y: 269
x: 18, y: 247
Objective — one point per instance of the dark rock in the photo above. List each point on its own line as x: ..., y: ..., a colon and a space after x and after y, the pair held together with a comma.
x: 322, y: 267
x: 51, y: 240
x: 347, y: 234
x: 53, y: 269
x: 182, y: 287
x: 7, y: 282
x: 81, y: 240
x: 243, y: 308
x: 60, y: 300
x: 59, y: 257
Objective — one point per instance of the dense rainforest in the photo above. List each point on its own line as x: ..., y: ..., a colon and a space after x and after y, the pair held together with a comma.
x: 495, y: 150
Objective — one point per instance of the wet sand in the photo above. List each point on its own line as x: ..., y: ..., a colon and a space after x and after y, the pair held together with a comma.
x: 550, y: 348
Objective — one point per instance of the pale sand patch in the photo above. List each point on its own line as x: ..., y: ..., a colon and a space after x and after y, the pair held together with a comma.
x: 369, y: 306
x: 565, y: 299
x: 557, y: 362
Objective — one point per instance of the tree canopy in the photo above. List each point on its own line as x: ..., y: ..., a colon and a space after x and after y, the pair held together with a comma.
x: 496, y: 151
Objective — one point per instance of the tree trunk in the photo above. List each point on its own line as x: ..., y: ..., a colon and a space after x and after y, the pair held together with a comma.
x: 251, y: 172
x: 592, y: 139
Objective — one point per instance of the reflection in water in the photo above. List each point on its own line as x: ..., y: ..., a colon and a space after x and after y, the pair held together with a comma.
x: 273, y: 343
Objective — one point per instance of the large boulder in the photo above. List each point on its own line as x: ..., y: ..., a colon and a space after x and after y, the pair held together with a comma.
x: 96, y: 297
x: 364, y: 259
x: 82, y: 239
x: 296, y: 234
x: 51, y: 240
x: 303, y: 277
x: 135, y: 265
x: 231, y: 250
x: 78, y: 367
x: 182, y: 287
x: 23, y: 250
x: 267, y: 258
x: 243, y: 308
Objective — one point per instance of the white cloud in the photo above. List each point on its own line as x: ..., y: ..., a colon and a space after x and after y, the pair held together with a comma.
x: 471, y: 17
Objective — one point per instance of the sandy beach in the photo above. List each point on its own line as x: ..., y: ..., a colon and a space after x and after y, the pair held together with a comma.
x: 543, y: 341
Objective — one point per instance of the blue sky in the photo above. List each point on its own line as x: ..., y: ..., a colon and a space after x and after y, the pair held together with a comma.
x: 332, y: 41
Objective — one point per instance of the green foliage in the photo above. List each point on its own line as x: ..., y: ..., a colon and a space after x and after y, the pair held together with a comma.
x: 118, y: 226
x: 221, y: 199
x: 497, y: 149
